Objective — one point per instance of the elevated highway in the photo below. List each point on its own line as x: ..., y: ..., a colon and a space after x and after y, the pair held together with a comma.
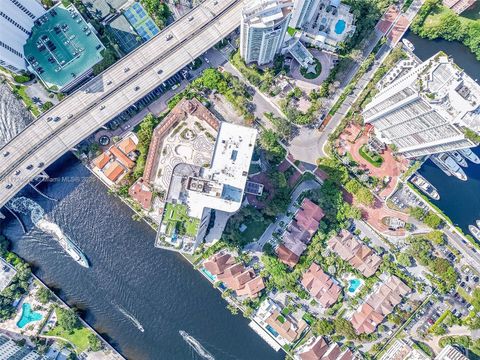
x: 111, y: 92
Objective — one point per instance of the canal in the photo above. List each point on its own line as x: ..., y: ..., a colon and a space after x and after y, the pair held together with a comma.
x: 128, y: 275
x: 458, y: 199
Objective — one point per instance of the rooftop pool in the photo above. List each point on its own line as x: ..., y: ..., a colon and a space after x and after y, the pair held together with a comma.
x: 340, y: 27
x: 28, y: 316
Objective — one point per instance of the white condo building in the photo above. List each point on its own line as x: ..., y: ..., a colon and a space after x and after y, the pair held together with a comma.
x: 16, y: 21
x: 303, y: 12
x: 424, y: 111
x: 263, y: 27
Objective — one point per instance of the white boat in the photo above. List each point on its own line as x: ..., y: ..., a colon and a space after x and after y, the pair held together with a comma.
x: 196, y: 346
x: 408, y: 44
x: 428, y: 189
x: 475, y: 231
x: 478, y: 223
x: 458, y: 158
x: 451, y: 166
x: 470, y: 155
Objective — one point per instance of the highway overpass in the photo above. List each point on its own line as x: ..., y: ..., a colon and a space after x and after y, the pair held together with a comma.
x: 101, y: 99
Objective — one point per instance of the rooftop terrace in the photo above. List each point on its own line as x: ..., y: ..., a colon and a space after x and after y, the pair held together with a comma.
x: 62, y: 47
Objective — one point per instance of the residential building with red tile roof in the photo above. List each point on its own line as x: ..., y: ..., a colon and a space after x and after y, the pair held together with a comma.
x: 359, y: 255
x: 218, y: 263
x: 285, y: 327
x: 141, y: 193
x: 308, y: 216
x: 234, y: 275
x: 320, y: 349
x: 321, y: 286
x: 379, y: 305
x: 113, y: 171
x: 286, y: 256
x: 113, y: 164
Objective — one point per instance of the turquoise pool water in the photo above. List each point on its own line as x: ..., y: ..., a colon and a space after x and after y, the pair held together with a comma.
x: 209, y: 274
x: 353, y: 285
x: 272, y: 331
x: 28, y: 316
x: 340, y: 27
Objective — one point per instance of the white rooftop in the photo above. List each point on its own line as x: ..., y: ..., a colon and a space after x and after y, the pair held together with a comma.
x: 220, y: 186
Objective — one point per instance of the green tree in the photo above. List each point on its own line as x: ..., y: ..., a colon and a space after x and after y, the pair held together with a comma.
x: 44, y: 295
x: 344, y: 328
x: 94, y: 343
x: 67, y: 319
x: 432, y: 220
x: 404, y: 259
x: 323, y: 327
x: 365, y: 196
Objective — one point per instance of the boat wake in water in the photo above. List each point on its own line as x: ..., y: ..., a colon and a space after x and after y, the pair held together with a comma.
x: 27, y: 206
x: 130, y: 317
x: 195, y: 345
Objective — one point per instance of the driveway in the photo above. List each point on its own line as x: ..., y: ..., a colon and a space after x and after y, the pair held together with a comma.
x: 267, y: 235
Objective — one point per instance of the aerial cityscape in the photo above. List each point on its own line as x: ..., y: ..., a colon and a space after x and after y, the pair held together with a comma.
x: 240, y: 179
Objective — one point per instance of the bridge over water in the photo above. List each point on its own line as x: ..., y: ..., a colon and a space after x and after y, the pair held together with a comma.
x: 111, y: 92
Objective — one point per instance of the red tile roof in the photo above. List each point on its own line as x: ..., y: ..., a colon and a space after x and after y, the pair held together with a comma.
x: 127, y: 145
x: 141, y: 193
x: 359, y: 255
x: 286, y: 256
x: 286, y: 329
x: 121, y: 157
x: 234, y: 275
x: 101, y: 161
x: 320, y: 286
x: 321, y: 350
x: 379, y: 305
x: 308, y: 216
x: 114, y: 171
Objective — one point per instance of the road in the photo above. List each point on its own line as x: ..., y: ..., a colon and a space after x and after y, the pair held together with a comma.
x: 94, y: 104
x: 309, y: 145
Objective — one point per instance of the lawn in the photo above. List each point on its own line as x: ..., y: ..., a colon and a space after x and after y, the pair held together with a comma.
x: 311, y: 76
x: 79, y: 337
x: 176, y: 214
x: 21, y: 91
x: 254, y: 230
x: 374, y: 159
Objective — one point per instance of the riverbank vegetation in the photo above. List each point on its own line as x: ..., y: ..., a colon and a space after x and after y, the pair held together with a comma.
x: 434, y: 21
x: 18, y: 286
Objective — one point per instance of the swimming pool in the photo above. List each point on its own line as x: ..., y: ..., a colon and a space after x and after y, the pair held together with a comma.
x: 271, y: 331
x: 28, y: 316
x: 209, y: 275
x: 340, y: 27
x: 353, y: 285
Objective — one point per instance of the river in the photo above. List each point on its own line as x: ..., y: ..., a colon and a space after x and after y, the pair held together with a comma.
x: 128, y: 275
x: 458, y: 199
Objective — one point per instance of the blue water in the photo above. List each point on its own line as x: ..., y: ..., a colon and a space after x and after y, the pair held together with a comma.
x: 273, y: 332
x: 208, y: 274
x: 340, y: 27
x: 459, y: 200
x: 28, y: 316
x: 353, y: 285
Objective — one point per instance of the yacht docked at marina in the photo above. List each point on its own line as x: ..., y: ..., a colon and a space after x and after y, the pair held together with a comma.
x: 458, y: 158
x: 475, y: 231
x: 449, y: 166
x: 423, y: 185
x: 470, y: 155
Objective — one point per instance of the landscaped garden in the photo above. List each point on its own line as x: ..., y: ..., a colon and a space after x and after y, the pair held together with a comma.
x: 372, y: 157
x: 176, y: 218
x: 311, y: 75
